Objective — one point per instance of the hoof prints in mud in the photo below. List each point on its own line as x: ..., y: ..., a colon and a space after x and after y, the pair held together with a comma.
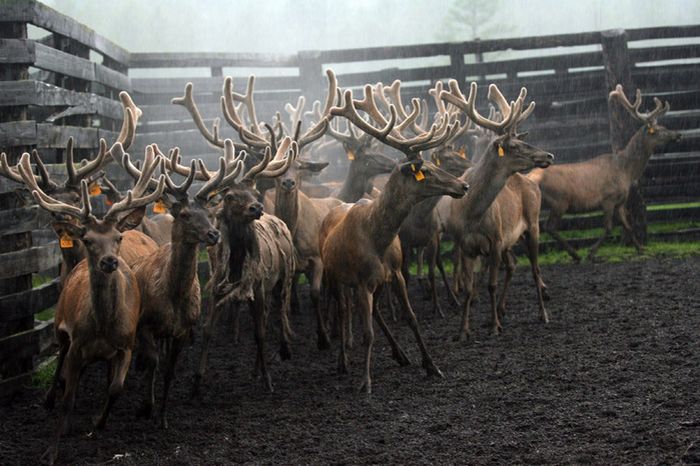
x: 612, y: 379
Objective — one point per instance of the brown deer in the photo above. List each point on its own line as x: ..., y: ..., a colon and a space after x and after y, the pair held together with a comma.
x: 255, y: 260
x: 69, y: 191
x: 503, y: 205
x: 603, y: 182
x: 98, y: 309
x: 354, y: 251
x: 168, y: 280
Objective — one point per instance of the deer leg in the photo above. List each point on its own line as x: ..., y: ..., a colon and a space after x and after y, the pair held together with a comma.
x: 431, y: 249
x: 510, y: 268
x: 420, y: 278
x: 494, y: 266
x: 607, y: 226
x: 396, y: 351
x: 174, y: 349
x: 532, y: 238
x: 457, y: 268
x: 349, y: 298
x: 464, y: 332
x: 295, y: 295
x: 624, y: 219
x: 552, y: 227
x: 322, y: 340
x: 72, y: 371
x: 399, y: 286
x: 148, y: 353
x: 64, y: 345
x: 342, y: 311
x: 286, y: 333
x: 119, y: 368
x: 365, y: 304
x: 441, y: 268
x: 209, y: 325
x: 257, y: 307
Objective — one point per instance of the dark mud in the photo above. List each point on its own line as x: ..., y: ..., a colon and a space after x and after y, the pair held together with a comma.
x: 614, y: 378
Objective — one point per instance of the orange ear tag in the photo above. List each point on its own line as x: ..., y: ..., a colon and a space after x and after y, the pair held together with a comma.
x: 65, y: 241
x: 159, y: 207
x: 351, y: 155
x: 463, y: 153
x: 95, y: 189
x: 501, y: 152
x: 419, y: 175
x: 651, y: 130
x: 108, y: 203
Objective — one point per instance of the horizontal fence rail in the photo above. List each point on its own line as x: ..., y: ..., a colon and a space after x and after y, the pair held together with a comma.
x: 66, y: 84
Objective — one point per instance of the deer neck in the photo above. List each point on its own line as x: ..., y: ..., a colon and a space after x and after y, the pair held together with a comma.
x: 287, y: 207
x: 486, y: 180
x: 354, y: 185
x: 388, y: 212
x: 104, y: 294
x: 238, y: 242
x: 635, y: 156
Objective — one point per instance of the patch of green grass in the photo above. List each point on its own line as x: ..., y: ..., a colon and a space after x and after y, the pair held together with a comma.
x: 46, y: 314
x: 43, y: 376
x: 38, y: 280
x: 617, y: 231
x: 681, y: 205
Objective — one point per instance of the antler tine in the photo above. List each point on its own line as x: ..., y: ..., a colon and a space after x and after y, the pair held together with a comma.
x: 9, y: 172
x: 188, y: 102
x: 87, y: 168
x: 260, y: 166
x: 135, y: 197
x: 455, y: 97
x: 291, y: 150
x: 252, y: 137
x: 46, y: 182
x: 214, y: 182
x: 319, y: 128
x: 295, y: 112
x: 128, y: 129
x: 47, y: 202
x: 349, y: 111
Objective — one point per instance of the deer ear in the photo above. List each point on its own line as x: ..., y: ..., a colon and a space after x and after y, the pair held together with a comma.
x: 75, y: 232
x: 314, y: 167
x: 522, y: 136
x: 410, y: 168
x: 132, y: 220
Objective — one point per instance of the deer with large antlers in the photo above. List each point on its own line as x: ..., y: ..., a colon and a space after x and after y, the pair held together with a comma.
x: 353, y: 252
x: 69, y: 191
x: 502, y: 206
x: 603, y: 182
x: 168, y: 279
x: 99, y: 307
x: 255, y: 259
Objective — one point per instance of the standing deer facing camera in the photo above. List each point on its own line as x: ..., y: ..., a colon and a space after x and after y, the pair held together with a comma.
x: 604, y: 182
x: 98, y: 309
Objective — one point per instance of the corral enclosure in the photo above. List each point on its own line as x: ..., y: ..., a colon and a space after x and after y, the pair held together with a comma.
x: 65, y: 82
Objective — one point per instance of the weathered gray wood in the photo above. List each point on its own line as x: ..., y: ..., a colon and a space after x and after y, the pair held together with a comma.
x: 36, y: 13
x: 18, y: 133
x: 11, y: 346
x: 49, y: 135
x: 23, y: 219
x: 176, y: 86
x: 34, y: 259
x: 17, y: 51
x: 29, y: 302
x: 212, y: 59
x: 12, y: 385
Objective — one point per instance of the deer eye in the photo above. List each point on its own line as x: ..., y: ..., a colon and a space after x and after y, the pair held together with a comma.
x: 119, y: 240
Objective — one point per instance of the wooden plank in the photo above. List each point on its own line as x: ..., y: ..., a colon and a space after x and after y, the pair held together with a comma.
x: 111, y: 78
x: 24, y: 261
x: 27, y: 303
x: 61, y: 62
x: 23, y: 219
x: 212, y: 59
x: 673, y: 52
x: 26, y: 342
x: 17, y: 133
x: 12, y: 385
x: 176, y: 86
x: 36, y: 13
x: 663, y: 32
x: 49, y: 135
x: 30, y: 92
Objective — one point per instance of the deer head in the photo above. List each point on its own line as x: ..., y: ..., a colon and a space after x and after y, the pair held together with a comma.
x: 507, y: 147
x: 100, y: 237
x: 654, y: 134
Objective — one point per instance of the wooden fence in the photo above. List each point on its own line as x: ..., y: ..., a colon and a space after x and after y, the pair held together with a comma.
x: 66, y: 82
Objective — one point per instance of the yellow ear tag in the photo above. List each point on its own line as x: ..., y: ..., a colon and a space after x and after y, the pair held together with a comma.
x: 351, y: 155
x: 651, y: 130
x: 463, y: 153
x: 65, y: 241
x: 437, y: 161
x: 159, y: 207
x: 212, y: 195
x: 501, y: 152
x: 419, y: 175
x: 95, y: 189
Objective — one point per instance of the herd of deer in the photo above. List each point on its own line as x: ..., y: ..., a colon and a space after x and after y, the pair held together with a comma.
x: 129, y: 282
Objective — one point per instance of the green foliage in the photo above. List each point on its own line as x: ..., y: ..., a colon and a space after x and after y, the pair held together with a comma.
x: 46, y: 314
x: 471, y: 19
x: 43, y: 375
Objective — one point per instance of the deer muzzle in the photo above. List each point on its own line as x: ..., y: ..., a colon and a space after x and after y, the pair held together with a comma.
x: 213, y: 237
x: 109, y: 264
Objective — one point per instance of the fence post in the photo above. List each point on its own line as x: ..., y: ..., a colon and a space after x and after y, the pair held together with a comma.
x: 11, y: 366
x: 311, y: 75
x: 622, y: 127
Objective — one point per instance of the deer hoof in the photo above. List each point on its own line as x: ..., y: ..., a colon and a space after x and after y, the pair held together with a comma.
x: 431, y: 369
x: 365, y: 386
x: 462, y: 337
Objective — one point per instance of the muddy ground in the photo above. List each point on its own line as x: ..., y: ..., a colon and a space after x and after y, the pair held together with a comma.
x: 614, y: 378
